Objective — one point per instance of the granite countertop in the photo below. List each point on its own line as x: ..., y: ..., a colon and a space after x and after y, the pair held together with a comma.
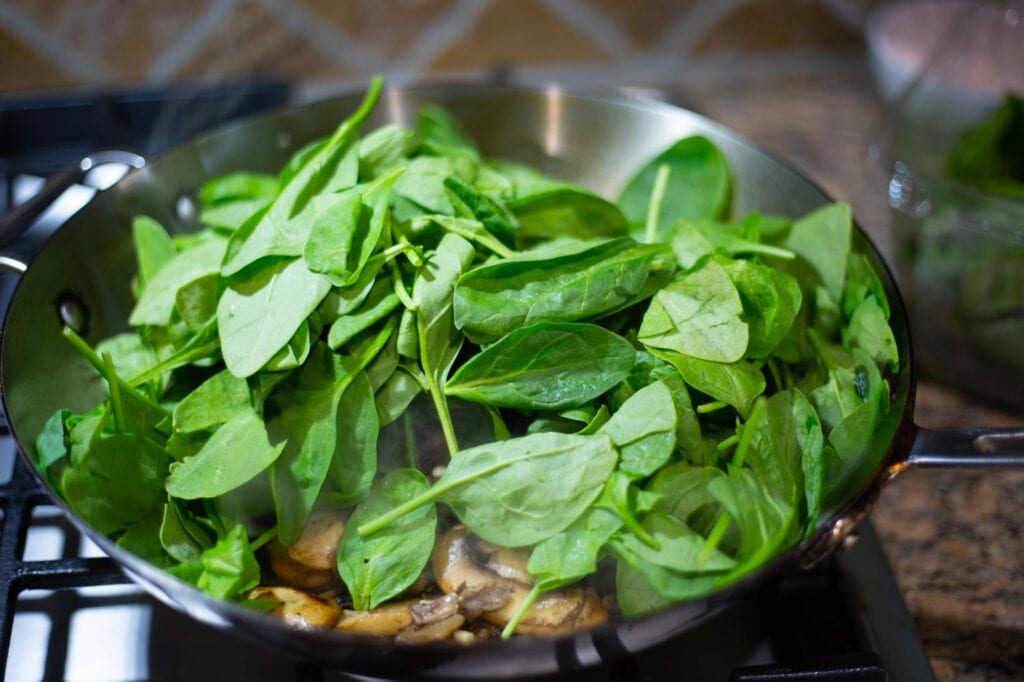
x: 955, y: 539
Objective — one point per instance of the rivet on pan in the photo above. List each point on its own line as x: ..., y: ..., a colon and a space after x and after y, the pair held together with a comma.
x: 185, y: 209
x: 849, y: 541
x: 284, y: 140
x: 72, y: 312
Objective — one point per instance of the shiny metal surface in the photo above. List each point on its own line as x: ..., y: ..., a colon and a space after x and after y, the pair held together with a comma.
x: 598, y: 142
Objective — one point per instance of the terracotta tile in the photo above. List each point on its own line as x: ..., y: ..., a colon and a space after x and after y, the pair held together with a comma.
x: 22, y: 69
x: 519, y: 32
x: 644, y: 21
x: 127, y: 37
x: 766, y: 25
x: 251, y: 42
x: 388, y: 25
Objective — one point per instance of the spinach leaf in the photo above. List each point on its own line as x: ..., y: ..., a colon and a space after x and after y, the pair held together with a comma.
x: 355, y: 455
x: 284, y: 227
x: 680, y: 549
x: 736, y: 384
x: 565, y: 211
x: 545, y: 367
x: 683, y: 490
x: 519, y: 491
x: 771, y: 300
x: 764, y: 520
x: 311, y: 419
x: 383, y: 149
x: 51, y: 444
x: 697, y: 315
x: 862, y: 282
x: 235, y: 453
x: 258, y: 314
x: 581, y: 282
x: 644, y: 430
x: 380, y: 303
x: 698, y: 185
x: 181, y: 538
x: 132, y: 355
x: 439, y: 341
x: 226, y: 570
x: 235, y: 186
x: 156, y: 305
x: 694, y: 239
x: 822, y: 239
x: 869, y: 330
x: 212, y: 403
x: 395, y: 396
x: 154, y: 249
x: 467, y: 202
x: 381, y: 566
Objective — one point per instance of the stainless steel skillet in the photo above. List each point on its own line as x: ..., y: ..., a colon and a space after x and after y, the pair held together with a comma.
x: 598, y: 142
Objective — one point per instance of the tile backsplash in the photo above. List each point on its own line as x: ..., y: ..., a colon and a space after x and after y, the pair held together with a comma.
x: 47, y: 44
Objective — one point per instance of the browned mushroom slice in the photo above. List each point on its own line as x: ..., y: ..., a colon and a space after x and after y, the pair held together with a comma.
x: 457, y: 570
x: 385, y: 621
x: 299, y: 609
x: 311, y: 562
x: 434, y: 632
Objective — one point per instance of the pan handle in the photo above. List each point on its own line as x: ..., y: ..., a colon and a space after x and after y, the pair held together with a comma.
x: 17, y: 220
x: 965, y: 448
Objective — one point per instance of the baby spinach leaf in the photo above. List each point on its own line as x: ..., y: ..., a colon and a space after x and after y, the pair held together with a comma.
x: 764, y: 520
x: 736, y: 384
x: 116, y: 480
x: 284, y: 227
x: 196, y: 302
x: 154, y: 248
x: 869, y: 330
x: 642, y: 587
x: 422, y: 184
x: 310, y: 418
x: 441, y: 134
x: 822, y: 239
x: 132, y: 355
x: 258, y: 314
x: 644, y: 430
x: 697, y: 315
x: 395, y: 396
x: 572, y: 554
x: 381, y: 566
x: 467, y: 202
x: 51, y: 444
x: 683, y: 490
x: 381, y: 302
x: 235, y: 453
x: 582, y: 281
x: 545, y: 367
x: 212, y: 403
x: 698, y: 185
x: 180, y: 537
x: 439, y: 340
x: 235, y: 186
x: 862, y: 282
x: 355, y: 454
x: 679, y: 547
x: 383, y: 149
x: 519, y: 491
x: 156, y: 305
x: 694, y: 239
x: 565, y: 211
x: 771, y: 300
x: 295, y: 352
x: 229, y: 568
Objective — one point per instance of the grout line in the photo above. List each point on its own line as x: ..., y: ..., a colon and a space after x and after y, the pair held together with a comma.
x: 173, y: 58
x: 604, y: 33
x: 693, y: 24
x: 326, y: 37
x: 72, y: 62
x: 442, y: 33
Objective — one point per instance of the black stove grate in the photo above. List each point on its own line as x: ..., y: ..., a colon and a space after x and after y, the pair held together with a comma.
x: 18, y: 497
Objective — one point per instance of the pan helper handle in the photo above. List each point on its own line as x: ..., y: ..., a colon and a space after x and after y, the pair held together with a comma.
x: 16, y: 221
x: 967, y: 448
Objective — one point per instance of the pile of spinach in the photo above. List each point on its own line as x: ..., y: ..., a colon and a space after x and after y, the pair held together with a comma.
x: 660, y: 385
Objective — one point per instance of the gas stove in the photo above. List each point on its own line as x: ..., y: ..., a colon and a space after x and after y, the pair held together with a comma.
x: 66, y: 611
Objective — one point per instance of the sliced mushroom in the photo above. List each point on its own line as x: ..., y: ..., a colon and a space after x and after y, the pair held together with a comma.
x: 457, y: 570
x: 311, y: 562
x: 299, y: 609
x: 384, y: 621
x: 442, y: 629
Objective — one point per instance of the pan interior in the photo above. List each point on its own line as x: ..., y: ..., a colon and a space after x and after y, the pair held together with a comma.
x: 597, y: 142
